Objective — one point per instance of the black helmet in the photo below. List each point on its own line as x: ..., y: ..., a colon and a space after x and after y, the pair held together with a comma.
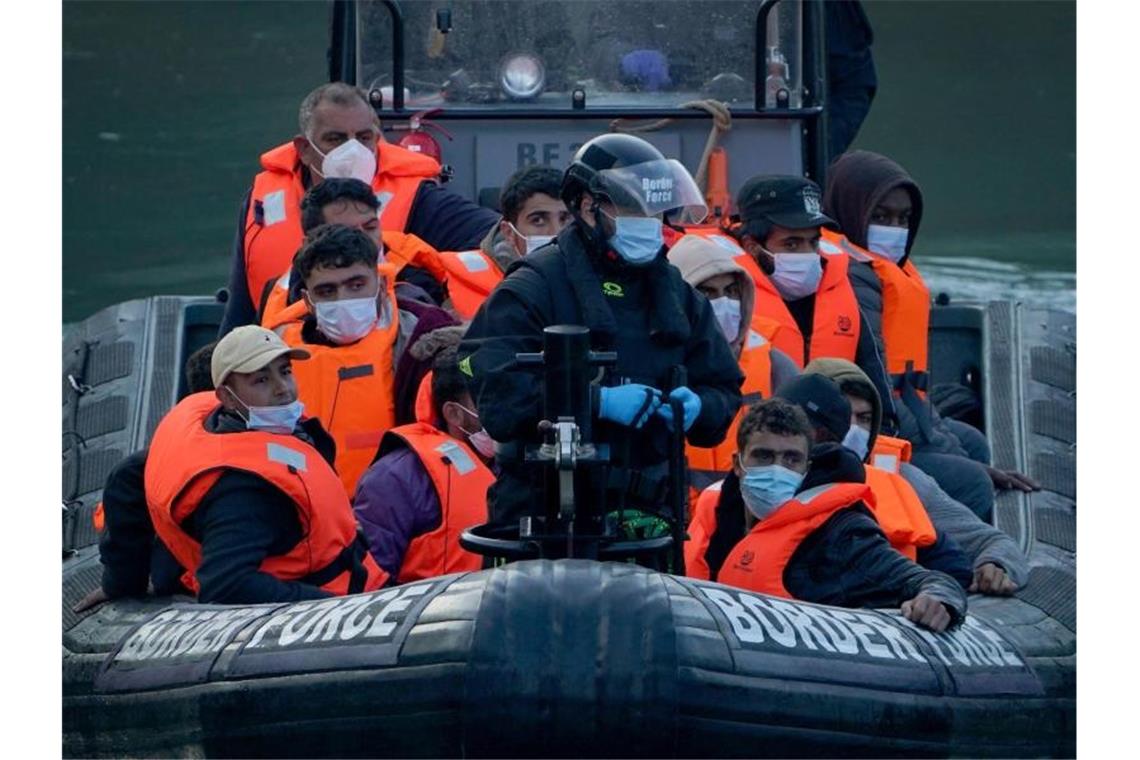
x: 633, y: 175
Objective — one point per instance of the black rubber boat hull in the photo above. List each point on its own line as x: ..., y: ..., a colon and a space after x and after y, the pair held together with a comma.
x: 573, y: 658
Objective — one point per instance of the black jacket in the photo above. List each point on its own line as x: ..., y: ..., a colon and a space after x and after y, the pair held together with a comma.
x: 847, y: 561
x: 444, y: 220
x: 241, y: 520
x: 654, y: 321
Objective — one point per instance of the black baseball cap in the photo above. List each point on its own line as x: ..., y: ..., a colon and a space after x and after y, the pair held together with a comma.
x: 820, y: 397
x: 784, y: 200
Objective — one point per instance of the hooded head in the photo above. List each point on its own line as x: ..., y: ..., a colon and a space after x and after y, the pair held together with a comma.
x: 857, y: 182
x: 852, y: 381
x: 702, y: 261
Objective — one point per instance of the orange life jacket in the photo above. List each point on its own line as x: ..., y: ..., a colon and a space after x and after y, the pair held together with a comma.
x: 461, y: 481
x: 707, y: 465
x: 185, y: 461
x: 400, y: 250
x: 98, y: 519
x: 757, y: 563
x: 273, y: 223
x: 890, y: 452
x: 702, y: 526
x: 900, y: 512
x: 424, y: 406
x: 835, y: 321
x: 351, y: 388
x: 906, y: 311
x: 471, y: 276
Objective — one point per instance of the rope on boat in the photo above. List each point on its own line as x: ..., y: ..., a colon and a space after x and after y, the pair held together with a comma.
x: 722, y: 122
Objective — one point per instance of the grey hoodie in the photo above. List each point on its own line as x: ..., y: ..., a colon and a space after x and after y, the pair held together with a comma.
x: 981, y: 541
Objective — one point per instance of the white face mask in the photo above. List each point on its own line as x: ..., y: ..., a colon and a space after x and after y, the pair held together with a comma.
x: 857, y: 439
x: 349, y: 160
x: 480, y: 439
x: 346, y: 321
x: 533, y: 242
x: 271, y: 419
x: 889, y: 242
x: 797, y: 274
x: 727, y: 312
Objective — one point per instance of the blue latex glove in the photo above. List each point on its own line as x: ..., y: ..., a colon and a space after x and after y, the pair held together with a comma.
x: 647, y: 68
x: 630, y: 405
x: 691, y: 403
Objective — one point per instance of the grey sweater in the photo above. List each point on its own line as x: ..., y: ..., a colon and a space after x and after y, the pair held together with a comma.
x: 981, y: 541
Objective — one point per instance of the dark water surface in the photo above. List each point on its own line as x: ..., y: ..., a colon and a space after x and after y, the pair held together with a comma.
x: 168, y: 104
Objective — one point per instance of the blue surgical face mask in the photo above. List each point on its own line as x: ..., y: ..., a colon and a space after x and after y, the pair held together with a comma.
x: 857, y: 440
x: 637, y: 239
x: 889, y: 242
x: 767, y: 487
x: 271, y: 419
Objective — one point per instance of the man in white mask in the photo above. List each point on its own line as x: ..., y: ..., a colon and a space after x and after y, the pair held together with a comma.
x: 349, y: 321
x: 339, y: 137
x: 533, y: 215
x: 879, y: 207
x: 429, y: 484
x: 798, y: 284
x: 241, y: 490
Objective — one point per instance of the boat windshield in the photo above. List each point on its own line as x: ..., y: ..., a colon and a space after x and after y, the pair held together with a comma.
x: 618, y: 54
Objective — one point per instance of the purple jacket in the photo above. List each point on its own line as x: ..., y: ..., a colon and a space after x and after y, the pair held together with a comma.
x: 395, y: 502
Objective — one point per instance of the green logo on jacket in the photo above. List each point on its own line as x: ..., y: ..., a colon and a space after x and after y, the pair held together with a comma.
x: 465, y: 366
x: 613, y: 289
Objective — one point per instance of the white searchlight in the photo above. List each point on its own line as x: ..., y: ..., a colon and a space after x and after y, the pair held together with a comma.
x: 522, y: 76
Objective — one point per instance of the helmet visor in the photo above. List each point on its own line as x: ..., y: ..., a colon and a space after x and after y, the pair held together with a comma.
x: 651, y: 188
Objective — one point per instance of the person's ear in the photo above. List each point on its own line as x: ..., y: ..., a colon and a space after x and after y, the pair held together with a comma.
x: 737, y: 468
x: 756, y: 250
x: 305, y: 150
x: 507, y: 230
x: 452, y: 414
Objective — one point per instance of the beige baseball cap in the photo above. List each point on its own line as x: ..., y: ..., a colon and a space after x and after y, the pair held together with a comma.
x: 248, y: 349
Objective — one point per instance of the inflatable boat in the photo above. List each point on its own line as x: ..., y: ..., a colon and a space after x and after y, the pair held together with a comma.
x: 573, y: 657
x: 577, y: 658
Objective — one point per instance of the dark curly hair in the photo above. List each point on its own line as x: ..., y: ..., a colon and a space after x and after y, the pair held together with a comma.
x: 774, y: 415
x: 334, y: 246
x: 524, y: 183
x: 335, y: 189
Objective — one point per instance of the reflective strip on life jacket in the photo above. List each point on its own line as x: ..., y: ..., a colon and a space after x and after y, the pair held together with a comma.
x: 273, y: 222
x: 758, y: 561
x: 835, y: 321
x: 185, y: 460
x: 471, y: 276
x: 351, y: 388
x: 461, y: 481
x: 889, y: 452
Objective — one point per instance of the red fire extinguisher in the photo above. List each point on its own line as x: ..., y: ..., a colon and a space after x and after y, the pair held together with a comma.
x: 420, y: 140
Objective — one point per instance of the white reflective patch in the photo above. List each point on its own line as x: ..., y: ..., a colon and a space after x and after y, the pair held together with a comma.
x: 473, y: 261
x: 726, y: 243
x: 286, y: 456
x: 273, y: 207
x: 283, y: 281
x: 888, y: 462
x: 457, y: 456
x: 806, y: 497
x: 828, y: 247
x: 716, y: 486
x: 755, y: 339
x: 382, y: 199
